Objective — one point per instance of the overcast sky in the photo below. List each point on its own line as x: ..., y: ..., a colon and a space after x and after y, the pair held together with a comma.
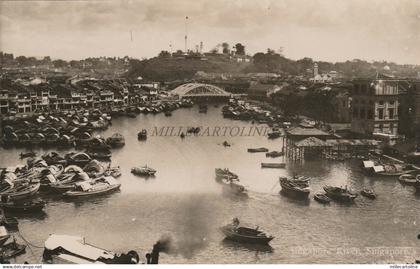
x: 331, y: 30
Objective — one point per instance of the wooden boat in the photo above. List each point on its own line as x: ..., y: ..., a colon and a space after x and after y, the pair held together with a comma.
x: 23, y: 206
x: 103, y: 154
x: 322, y: 198
x: 408, y: 179
x: 295, y: 187
x: 225, y: 173
x: 340, y: 194
x: 142, y: 135
x: 368, y: 193
x: 113, y: 171
x: 273, y: 165
x: 10, y: 223
x: 168, y: 113
x: 4, y: 235
x: 29, y: 154
x: 116, y: 140
x: 95, y: 187
x: 22, y: 192
x: 65, y: 249
x: 79, y: 158
x: 242, y: 234
x: 226, y: 144
x: 12, y: 249
x: 231, y: 187
x: 274, y: 133
x: 52, y: 158
x: 274, y: 154
x: 254, y: 150
x: 143, y: 171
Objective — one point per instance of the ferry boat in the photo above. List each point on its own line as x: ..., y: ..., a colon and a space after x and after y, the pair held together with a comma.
x: 295, y: 186
x: 242, y: 234
x: 340, y: 194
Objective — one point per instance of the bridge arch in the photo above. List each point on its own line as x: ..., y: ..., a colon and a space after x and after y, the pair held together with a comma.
x: 199, y: 90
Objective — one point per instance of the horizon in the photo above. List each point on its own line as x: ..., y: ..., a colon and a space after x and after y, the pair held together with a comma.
x: 324, y: 30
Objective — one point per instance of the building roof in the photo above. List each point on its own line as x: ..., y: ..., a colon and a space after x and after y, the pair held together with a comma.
x: 311, y: 142
x: 299, y: 131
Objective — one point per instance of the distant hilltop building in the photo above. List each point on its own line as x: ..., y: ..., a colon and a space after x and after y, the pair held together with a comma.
x: 324, y: 77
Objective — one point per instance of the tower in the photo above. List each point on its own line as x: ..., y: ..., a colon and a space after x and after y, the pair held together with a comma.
x: 186, y: 35
x: 201, y: 49
x: 315, y: 69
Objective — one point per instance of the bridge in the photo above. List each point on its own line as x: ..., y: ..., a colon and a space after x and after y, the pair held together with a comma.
x: 200, y: 91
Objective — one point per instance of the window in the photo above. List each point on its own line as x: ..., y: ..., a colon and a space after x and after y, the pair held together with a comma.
x: 391, y: 103
x: 370, y: 114
x: 380, y: 113
x: 381, y: 103
x: 344, y: 103
x: 363, y: 88
x: 362, y: 113
x: 391, y: 128
x: 355, y: 112
x: 390, y: 113
x: 381, y: 128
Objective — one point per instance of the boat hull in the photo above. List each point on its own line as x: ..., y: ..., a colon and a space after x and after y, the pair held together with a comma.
x: 77, y: 194
x: 230, y: 235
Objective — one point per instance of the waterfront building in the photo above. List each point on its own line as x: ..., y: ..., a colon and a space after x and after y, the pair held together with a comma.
x: 375, y: 105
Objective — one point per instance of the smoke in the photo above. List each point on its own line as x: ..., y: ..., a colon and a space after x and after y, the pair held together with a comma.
x: 191, y: 227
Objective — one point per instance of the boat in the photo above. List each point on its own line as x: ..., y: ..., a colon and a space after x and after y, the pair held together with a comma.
x: 168, y: 113
x: 393, y: 170
x: 295, y: 186
x: 68, y: 183
x: 10, y: 223
x: 143, y: 171
x: 231, y: 187
x: 102, y: 154
x: 29, y: 154
x: 80, y: 158
x: 23, y: 206
x: 4, y: 235
x: 116, y: 140
x: 242, y: 234
x: 22, y: 192
x: 202, y: 108
x: 340, y: 194
x: 66, y: 249
x: 95, y: 187
x: 142, y: 135
x: 52, y: 158
x: 11, y: 250
x: 226, y: 144
x: 274, y: 154
x: 368, y: 193
x: 274, y: 133
x: 322, y: 198
x: 408, y: 179
x: 113, y: 171
x: 253, y: 150
x: 273, y: 165
x: 225, y: 173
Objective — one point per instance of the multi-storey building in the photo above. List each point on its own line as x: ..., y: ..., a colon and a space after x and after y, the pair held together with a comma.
x: 375, y: 106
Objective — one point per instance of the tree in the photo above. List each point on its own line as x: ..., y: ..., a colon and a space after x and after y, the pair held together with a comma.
x: 164, y: 54
x: 240, y: 49
x: 59, y: 63
x: 226, y: 49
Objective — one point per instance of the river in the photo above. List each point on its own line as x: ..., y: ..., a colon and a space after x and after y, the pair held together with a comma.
x: 185, y: 203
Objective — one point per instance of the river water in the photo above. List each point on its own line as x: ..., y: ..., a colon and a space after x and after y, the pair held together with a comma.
x: 185, y: 203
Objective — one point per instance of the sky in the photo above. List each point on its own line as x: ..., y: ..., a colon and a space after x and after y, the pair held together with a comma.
x: 329, y: 30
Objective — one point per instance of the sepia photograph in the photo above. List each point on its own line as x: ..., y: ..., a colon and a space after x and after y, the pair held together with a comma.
x: 210, y: 132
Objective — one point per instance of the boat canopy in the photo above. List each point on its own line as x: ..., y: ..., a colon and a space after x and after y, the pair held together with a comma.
x: 73, y: 168
x: 368, y: 164
x: 76, y: 245
x: 85, y: 186
x: 378, y: 168
x: 3, y: 231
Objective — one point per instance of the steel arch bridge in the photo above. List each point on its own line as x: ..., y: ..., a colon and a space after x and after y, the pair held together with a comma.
x: 192, y: 90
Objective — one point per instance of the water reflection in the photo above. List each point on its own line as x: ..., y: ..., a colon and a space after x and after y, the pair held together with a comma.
x: 257, y: 248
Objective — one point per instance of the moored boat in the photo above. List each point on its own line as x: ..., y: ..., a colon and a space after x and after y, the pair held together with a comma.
x: 242, y: 234
x: 231, y: 187
x: 225, y: 173
x: 340, y: 194
x: 322, y: 198
x: 295, y: 187
x: 142, y: 135
x: 116, y: 140
x: 368, y: 193
x: 12, y: 249
x: 95, y: 187
x: 23, y: 206
x: 254, y: 150
x: 408, y: 179
x: 273, y: 165
x: 274, y: 154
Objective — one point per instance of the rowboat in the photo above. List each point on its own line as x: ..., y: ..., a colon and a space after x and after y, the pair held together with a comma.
x: 4, y: 235
x: 254, y: 150
x: 95, y: 187
x: 22, y: 192
x: 322, y: 198
x: 23, y: 206
x: 295, y: 187
x: 340, y: 194
x: 368, y: 193
x: 143, y: 171
x: 273, y: 165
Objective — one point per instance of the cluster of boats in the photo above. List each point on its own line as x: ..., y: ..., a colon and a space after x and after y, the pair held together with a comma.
x: 270, y: 154
x: 53, y: 129
x: 8, y: 246
x: 72, y: 175
x: 298, y: 187
x: 153, y: 107
x: 230, y: 182
x: 377, y: 167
